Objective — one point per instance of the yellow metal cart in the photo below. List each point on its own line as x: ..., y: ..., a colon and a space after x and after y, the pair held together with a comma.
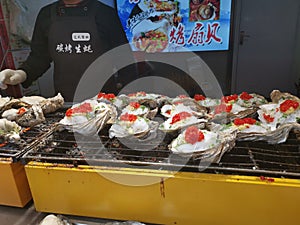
x: 14, y: 188
x: 171, y: 198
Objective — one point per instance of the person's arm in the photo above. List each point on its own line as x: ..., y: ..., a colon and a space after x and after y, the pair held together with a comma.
x: 38, y: 61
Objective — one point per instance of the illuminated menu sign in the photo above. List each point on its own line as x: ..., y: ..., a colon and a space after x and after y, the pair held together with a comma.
x: 176, y: 26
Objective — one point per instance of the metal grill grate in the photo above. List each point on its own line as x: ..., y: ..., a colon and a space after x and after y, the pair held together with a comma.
x: 15, y: 150
x: 246, y: 158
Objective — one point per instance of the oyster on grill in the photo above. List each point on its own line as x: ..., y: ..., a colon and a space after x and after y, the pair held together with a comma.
x: 3, y: 101
x: 206, y: 101
x: 11, y: 114
x: 203, y: 144
x: 135, y: 108
x: 170, y: 110
x: 89, y: 117
x: 250, y: 100
x: 50, y: 105
x: 180, y: 120
x: 226, y: 112
x: 277, y: 95
x: 119, y: 101
x: 275, y: 114
x: 31, y: 116
x: 9, y: 131
x: 130, y: 125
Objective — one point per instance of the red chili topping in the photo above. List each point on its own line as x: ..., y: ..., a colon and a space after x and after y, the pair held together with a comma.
x: 193, y: 135
x: 3, y: 144
x: 287, y: 104
x: 180, y: 116
x: 84, y: 108
x: 21, y: 110
x: 245, y: 96
x: 109, y: 96
x: 168, y: 112
x: 229, y: 98
x: 199, y: 97
x: 268, y: 118
x: 223, y: 108
x: 135, y: 105
x: 128, y: 117
x: 239, y: 122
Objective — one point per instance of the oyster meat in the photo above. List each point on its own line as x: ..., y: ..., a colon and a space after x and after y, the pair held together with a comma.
x: 136, y: 109
x: 203, y: 144
x: 10, y: 131
x: 179, y: 121
x: 89, y: 117
x: 31, y: 116
x: 275, y: 114
x: 130, y: 125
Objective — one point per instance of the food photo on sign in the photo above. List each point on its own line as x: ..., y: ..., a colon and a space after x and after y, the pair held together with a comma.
x: 176, y: 25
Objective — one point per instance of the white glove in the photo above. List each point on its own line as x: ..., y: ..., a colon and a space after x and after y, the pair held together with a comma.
x: 11, y: 77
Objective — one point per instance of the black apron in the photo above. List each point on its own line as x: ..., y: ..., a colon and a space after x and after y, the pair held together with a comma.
x: 74, y: 44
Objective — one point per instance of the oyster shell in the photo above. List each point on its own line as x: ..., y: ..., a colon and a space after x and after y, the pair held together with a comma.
x: 211, y: 146
x: 170, y: 110
x: 10, y: 114
x: 32, y: 116
x: 89, y: 117
x: 225, y: 113
x: 135, y: 108
x: 32, y: 100
x: 180, y: 120
x: 10, y: 131
x: 50, y: 105
x: 119, y: 101
x: 129, y: 125
x: 272, y: 137
x: 275, y: 114
x: 277, y: 95
x: 251, y: 100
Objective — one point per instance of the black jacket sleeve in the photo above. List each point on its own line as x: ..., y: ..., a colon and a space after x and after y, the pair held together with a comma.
x: 38, y: 61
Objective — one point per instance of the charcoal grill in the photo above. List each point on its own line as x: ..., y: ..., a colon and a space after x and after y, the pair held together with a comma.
x: 254, y: 183
x: 13, y: 151
x: 246, y: 158
x: 14, y: 188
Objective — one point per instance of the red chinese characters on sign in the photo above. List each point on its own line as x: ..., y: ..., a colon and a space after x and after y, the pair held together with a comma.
x: 200, y: 36
x: 177, y: 35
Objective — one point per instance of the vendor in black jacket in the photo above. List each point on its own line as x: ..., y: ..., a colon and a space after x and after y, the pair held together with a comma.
x: 71, y: 34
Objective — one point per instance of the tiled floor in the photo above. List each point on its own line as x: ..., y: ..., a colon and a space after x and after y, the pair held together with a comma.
x: 29, y: 216
x: 20, y: 216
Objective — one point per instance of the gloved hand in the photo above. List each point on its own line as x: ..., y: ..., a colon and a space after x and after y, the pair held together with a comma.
x: 11, y: 77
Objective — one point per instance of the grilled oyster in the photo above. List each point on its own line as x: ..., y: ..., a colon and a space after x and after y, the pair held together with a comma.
x: 89, y: 117
x: 250, y: 100
x: 180, y: 120
x: 130, y: 125
x: 50, y: 105
x: 9, y: 131
x: 32, y: 116
x: 207, y: 102
x: 135, y: 108
x: 277, y: 95
x: 275, y: 114
x: 203, y: 144
x: 119, y: 101
x: 227, y: 112
x: 170, y: 110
